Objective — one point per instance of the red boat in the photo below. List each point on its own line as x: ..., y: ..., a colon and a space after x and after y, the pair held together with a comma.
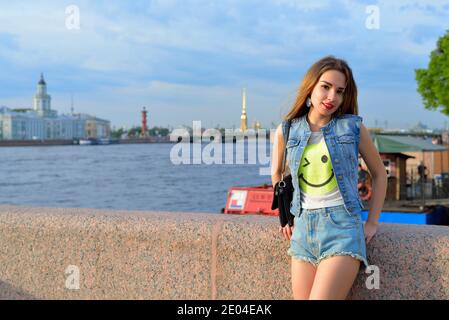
x: 258, y: 199
x: 250, y: 200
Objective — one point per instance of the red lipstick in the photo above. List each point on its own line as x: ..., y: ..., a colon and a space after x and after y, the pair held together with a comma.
x: 328, y: 105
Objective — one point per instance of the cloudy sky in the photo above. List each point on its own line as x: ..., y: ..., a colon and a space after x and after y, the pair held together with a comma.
x: 188, y: 60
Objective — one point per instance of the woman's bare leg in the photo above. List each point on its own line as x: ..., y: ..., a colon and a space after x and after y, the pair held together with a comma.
x: 303, y: 274
x: 334, y: 278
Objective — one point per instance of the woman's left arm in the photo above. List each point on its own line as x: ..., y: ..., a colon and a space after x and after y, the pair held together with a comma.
x: 378, y: 173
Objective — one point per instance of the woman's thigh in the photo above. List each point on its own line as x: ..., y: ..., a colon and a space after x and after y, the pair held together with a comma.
x: 334, y: 278
x: 303, y: 274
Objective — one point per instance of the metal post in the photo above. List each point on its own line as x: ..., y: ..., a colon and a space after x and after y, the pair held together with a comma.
x: 423, y: 202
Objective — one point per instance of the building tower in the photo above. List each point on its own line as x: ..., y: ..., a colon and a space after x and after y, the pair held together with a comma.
x: 256, y: 125
x: 42, y: 100
x: 243, y: 118
x: 143, y: 132
x: 72, y: 110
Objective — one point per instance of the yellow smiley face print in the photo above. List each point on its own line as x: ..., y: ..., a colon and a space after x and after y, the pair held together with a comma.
x: 315, y: 174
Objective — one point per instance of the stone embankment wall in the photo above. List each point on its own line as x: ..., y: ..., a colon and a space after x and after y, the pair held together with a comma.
x: 51, y: 253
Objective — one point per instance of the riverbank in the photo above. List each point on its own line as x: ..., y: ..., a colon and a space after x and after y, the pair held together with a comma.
x: 34, y: 143
x: 60, y: 142
x: 165, y: 139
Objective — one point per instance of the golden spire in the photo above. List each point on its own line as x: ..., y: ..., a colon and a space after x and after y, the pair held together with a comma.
x: 243, y: 118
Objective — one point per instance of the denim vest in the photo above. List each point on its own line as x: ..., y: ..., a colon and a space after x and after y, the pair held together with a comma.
x: 342, y: 136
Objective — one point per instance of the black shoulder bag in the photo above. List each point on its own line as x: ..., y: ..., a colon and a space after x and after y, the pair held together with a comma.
x: 283, y: 191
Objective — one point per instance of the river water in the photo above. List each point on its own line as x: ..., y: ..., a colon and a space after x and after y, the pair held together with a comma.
x: 131, y: 177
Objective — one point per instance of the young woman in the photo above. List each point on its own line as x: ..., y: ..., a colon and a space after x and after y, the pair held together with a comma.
x: 328, y: 239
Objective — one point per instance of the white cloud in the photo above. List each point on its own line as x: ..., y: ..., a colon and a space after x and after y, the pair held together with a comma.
x: 398, y: 19
x: 116, y: 40
x: 418, y: 49
x: 164, y: 48
x: 302, y: 5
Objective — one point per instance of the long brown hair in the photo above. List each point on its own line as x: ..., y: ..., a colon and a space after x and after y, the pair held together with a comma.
x: 349, y: 104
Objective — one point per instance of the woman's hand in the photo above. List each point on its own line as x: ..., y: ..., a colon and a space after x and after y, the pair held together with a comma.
x: 286, y: 231
x: 370, y: 230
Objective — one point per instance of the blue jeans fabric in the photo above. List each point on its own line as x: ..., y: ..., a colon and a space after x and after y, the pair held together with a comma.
x: 326, y: 232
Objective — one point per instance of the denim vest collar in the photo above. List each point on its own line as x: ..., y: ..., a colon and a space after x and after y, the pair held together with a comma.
x: 304, y: 124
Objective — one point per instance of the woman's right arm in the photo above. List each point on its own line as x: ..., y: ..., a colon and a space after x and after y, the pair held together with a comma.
x: 277, y: 156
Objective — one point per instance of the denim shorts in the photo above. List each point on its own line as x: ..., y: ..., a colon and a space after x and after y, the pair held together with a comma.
x: 326, y: 232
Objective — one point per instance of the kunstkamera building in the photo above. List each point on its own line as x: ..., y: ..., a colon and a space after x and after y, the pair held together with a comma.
x: 42, y: 122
